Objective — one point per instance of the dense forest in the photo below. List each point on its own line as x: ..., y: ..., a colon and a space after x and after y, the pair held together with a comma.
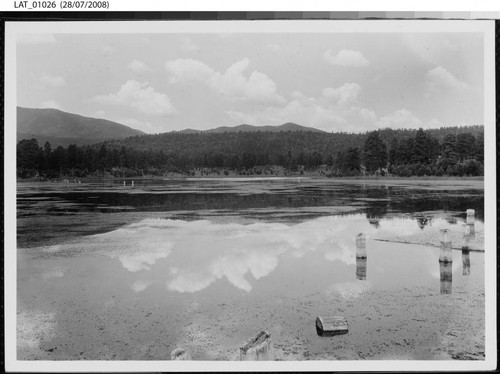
x: 454, y: 151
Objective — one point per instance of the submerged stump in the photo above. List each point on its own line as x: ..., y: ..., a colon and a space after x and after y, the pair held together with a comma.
x: 331, y: 326
x: 180, y: 354
x: 258, y: 348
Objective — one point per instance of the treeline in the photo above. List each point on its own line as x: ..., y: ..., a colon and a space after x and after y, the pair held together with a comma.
x: 454, y: 151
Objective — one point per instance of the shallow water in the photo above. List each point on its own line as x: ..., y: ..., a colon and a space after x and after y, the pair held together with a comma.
x: 208, y: 264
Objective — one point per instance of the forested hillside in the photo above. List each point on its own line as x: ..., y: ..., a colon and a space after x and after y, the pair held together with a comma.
x: 62, y: 128
x: 446, y: 151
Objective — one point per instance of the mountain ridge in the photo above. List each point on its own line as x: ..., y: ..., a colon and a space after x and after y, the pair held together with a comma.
x: 64, y: 128
x: 288, y: 126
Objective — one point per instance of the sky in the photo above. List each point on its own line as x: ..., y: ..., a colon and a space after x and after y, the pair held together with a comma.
x: 333, y: 81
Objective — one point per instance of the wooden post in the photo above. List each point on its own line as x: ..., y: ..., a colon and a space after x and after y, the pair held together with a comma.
x: 465, y: 250
x: 360, y: 245
x: 361, y: 268
x: 470, y: 216
x: 445, y: 251
x: 331, y: 326
x: 446, y: 276
x: 258, y: 348
x: 472, y: 230
x: 465, y: 262
x: 180, y: 354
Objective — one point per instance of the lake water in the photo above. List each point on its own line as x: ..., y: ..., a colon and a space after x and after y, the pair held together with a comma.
x: 114, y: 272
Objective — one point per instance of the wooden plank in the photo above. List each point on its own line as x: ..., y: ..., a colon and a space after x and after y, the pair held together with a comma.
x: 330, y: 326
x: 258, y: 348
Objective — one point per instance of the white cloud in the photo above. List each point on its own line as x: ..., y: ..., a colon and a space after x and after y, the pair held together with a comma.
x: 139, y: 66
x: 439, y: 78
x: 232, y: 84
x: 346, y: 57
x: 140, y: 285
x: 35, y: 38
x: 141, y: 261
x: 402, y: 118
x: 140, y: 96
x: 335, y: 110
x: 50, y: 104
x: 189, y: 70
x: 341, y: 252
x: 54, y: 81
x: 188, y: 45
x: 405, y: 119
x: 345, y: 94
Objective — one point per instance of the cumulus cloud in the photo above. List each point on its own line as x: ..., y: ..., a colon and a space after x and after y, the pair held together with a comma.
x: 341, y: 252
x: 405, y: 119
x: 439, y: 78
x: 346, y: 57
x: 347, y: 93
x: 334, y: 110
x: 401, y: 118
x: 139, y: 66
x: 141, y: 261
x: 54, y: 81
x: 36, y: 38
x: 140, y: 96
x: 233, y: 83
x: 140, y: 285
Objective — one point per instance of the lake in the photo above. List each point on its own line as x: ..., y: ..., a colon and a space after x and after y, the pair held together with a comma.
x: 108, y: 271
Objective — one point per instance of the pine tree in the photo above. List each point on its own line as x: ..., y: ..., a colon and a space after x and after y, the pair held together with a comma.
x: 375, y: 152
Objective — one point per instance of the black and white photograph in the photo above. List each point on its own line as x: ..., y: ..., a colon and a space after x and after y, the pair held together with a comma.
x: 279, y: 194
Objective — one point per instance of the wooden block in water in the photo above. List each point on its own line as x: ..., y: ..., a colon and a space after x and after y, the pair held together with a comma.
x: 180, y: 354
x: 330, y: 326
x: 258, y: 348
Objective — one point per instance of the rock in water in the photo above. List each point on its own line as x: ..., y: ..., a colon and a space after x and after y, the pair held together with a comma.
x: 180, y: 354
x: 258, y: 348
x: 330, y: 326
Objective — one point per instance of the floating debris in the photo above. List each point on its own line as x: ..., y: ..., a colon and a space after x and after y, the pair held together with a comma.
x: 258, y: 348
x: 330, y: 326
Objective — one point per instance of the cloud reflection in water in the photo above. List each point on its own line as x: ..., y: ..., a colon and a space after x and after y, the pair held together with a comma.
x: 195, y: 254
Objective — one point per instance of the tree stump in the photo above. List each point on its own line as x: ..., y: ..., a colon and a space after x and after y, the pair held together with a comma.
x: 258, y: 348
x: 330, y: 326
x: 180, y: 354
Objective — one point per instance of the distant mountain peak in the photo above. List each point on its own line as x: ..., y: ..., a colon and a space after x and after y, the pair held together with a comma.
x: 288, y: 126
x: 63, y: 128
